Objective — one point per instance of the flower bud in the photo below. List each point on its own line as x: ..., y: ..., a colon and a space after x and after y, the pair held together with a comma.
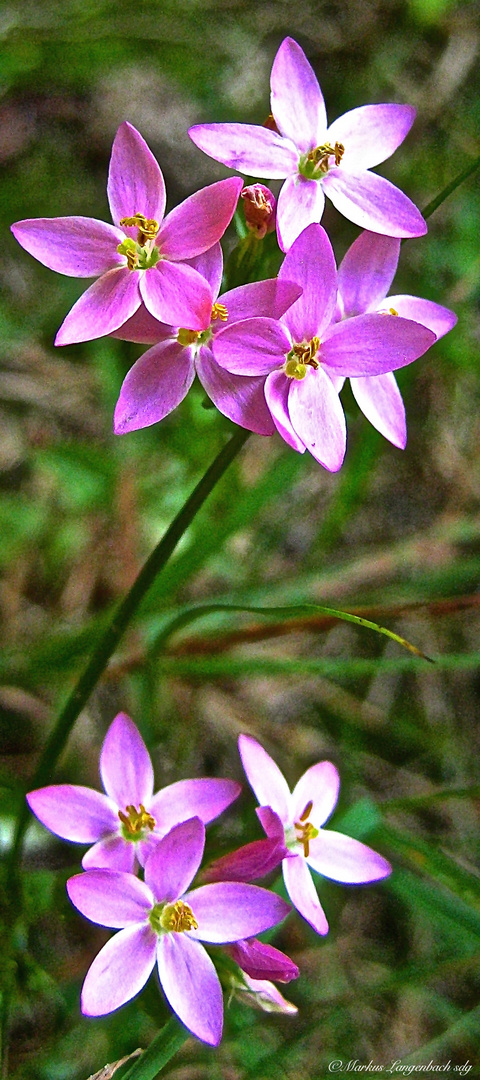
x: 259, y: 206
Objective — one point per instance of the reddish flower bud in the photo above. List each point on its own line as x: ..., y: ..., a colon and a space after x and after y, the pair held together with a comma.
x: 259, y: 206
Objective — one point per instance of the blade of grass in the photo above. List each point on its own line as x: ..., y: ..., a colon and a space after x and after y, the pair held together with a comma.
x: 164, y: 1046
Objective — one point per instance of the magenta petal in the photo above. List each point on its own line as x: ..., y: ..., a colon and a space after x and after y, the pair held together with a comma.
x: 154, y: 386
x: 256, y: 151
x: 107, y: 304
x: 74, y: 812
x: 373, y: 203
x: 110, y: 897
x: 438, y: 319
x: 75, y: 246
x: 143, y: 328
x: 251, y: 347
x: 228, y: 911
x: 203, y: 798
x: 373, y: 344
x: 200, y: 220
x: 210, y: 265
x: 367, y: 271
x: 125, y: 765
x: 319, y: 785
x: 119, y: 971
x: 311, y: 263
x: 269, y: 298
x: 344, y: 859
x: 177, y: 294
x: 381, y: 402
x: 296, y: 99
x: 262, y: 961
x: 300, y: 203
x: 249, y: 862
x: 303, y: 894
x: 318, y: 418
x: 135, y: 181
x: 175, y: 860
x: 265, y: 778
x: 240, y: 397
x: 371, y: 133
x: 272, y: 824
x: 191, y: 986
x: 277, y: 388
x: 113, y: 853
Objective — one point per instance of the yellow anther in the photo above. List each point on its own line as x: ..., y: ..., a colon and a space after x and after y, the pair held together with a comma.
x: 136, y: 820
x: 147, y: 227
x: 300, y: 357
x: 219, y: 311
x: 295, y: 370
x: 187, y: 337
x: 321, y: 154
x: 387, y: 311
x: 307, y: 811
x: 132, y: 259
x: 178, y: 917
x: 306, y: 831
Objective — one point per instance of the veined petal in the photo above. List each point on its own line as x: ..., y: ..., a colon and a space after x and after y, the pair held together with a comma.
x: 296, y: 99
x: 200, y: 220
x: 311, y: 263
x: 438, y: 319
x: 230, y: 910
x: 373, y: 344
x: 277, y: 388
x: 256, y: 151
x: 175, y: 860
x: 125, y: 765
x: 318, y: 418
x: 249, y: 862
x: 75, y: 246
x: 191, y: 986
x: 303, y: 894
x: 367, y: 271
x: 74, y: 812
x: 135, y: 181
x: 300, y: 203
x: 177, y: 294
x: 110, y: 897
x: 251, y: 347
x: 371, y: 133
x: 204, y: 798
x: 143, y: 328
x: 210, y: 265
x: 319, y: 785
x: 113, y: 853
x: 119, y: 971
x: 262, y: 961
x: 240, y: 397
x: 373, y: 203
x: 154, y: 386
x: 344, y: 859
x: 381, y: 402
x: 265, y: 778
x: 107, y: 304
x: 269, y: 298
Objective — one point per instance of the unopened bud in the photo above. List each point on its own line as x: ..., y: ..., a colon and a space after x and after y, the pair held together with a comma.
x: 261, y: 994
x: 259, y: 206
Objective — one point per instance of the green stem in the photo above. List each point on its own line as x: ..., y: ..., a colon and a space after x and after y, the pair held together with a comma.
x: 121, y: 619
x: 439, y: 199
x: 168, y: 1041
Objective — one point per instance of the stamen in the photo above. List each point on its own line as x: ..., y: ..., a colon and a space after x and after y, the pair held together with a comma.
x: 136, y: 820
x: 300, y: 357
x: 388, y: 311
x: 147, y: 227
x: 178, y: 917
x: 306, y: 831
x: 320, y: 155
x: 307, y: 811
x: 219, y: 311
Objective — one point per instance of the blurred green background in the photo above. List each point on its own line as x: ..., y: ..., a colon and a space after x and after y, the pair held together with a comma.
x: 397, y: 534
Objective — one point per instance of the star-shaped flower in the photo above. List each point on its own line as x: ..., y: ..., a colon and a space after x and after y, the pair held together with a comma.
x: 317, y: 160
x: 142, y: 256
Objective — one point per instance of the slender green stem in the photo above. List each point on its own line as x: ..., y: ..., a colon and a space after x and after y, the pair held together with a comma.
x: 120, y: 621
x: 439, y: 199
x: 168, y: 1041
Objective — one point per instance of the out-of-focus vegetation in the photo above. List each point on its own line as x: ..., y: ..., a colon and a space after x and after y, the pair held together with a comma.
x: 397, y: 534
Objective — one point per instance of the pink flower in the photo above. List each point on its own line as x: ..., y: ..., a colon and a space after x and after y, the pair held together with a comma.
x: 303, y: 352
x: 128, y: 821
x: 160, y: 921
x: 318, y: 160
x: 301, y: 816
x: 142, y: 256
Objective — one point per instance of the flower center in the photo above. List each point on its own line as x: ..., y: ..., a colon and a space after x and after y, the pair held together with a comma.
x: 305, y: 830
x: 317, y: 162
x: 135, y: 821
x: 202, y: 337
x: 301, y: 357
x: 176, y: 917
x: 141, y: 253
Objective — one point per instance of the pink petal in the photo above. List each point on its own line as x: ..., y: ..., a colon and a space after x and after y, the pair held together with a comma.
x: 296, y: 99
x: 107, y: 304
x: 204, y: 798
x: 311, y: 263
x: 210, y: 265
x: 381, y: 402
x: 251, y: 347
x: 319, y: 785
x: 303, y: 894
x: 367, y: 271
x: 269, y: 298
x: 110, y: 897
x: 372, y: 345
x: 344, y: 859
x: 113, y: 853
x: 200, y: 220
x: 143, y: 328
x: 177, y: 294
x: 277, y: 388
x: 240, y: 397
x: 135, y: 181
x: 265, y: 778
x: 119, y: 971
x: 74, y: 812
x: 125, y: 766
x: 371, y: 133
x: 175, y: 860
x: 318, y: 418
x: 300, y: 203
x: 249, y: 862
x: 191, y: 986
x: 255, y: 151
x: 373, y: 203
x: 262, y: 961
x: 228, y: 911
x: 154, y: 386
x: 272, y: 824
x: 75, y: 246
x: 437, y: 318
